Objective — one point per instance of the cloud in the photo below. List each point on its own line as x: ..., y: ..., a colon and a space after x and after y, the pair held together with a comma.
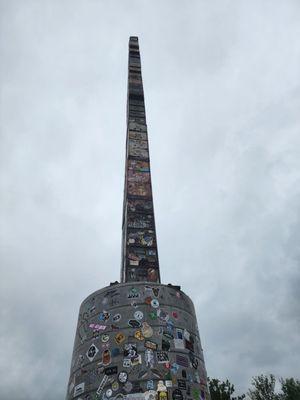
x: 222, y: 98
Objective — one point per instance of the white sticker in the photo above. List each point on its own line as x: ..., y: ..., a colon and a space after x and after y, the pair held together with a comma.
x: 79, y: 389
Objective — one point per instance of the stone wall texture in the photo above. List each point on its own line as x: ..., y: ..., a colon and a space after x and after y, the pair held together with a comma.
x: 137, y: 341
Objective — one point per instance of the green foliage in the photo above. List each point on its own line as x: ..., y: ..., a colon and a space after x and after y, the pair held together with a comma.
x: 264, y: 388
x: 290, y: 389
x: 222, y: 390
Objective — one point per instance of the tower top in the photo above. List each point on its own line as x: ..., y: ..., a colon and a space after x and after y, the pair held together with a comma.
x: 139, y: 246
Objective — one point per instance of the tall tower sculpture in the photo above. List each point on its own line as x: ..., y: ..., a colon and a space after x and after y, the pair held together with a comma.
x: 137, y: 339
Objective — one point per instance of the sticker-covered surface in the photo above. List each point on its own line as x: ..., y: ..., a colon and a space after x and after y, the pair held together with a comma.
x: 137, y: 341
x: 138, y: 263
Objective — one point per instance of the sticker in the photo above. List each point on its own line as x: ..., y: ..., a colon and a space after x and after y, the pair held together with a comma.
x: 156, y: 373
x: 134, y: 323
x: 147, y: 331
x: 162, y: 357
x: 117, y: 317
x: 168, y: 334
x: 130, y: 352
x: 175, y: 314
x: 148, y: 300
x: 153, y: 315
x: 165, y: 345
x: 150, y: 385
x: 177, y: 394
x: 169, y: 383
x: 174, y: 368
x: 150, y: 345
x: 138, y: 335
x: 120, y: 337
x: 195, y: 393
x: 155, y: 291
x: 109, y: 393
x: 111, y: 370
x: 128, y: 387
x: 106, y: 358
x: 79, y: 389
x: 179, y: 344
x: 154, y: 303
x: 104, y: 338
x: 102, y: 384
x: 189, y: 345
x: 104, y: 316
x: 143, y: 373
x: 123, y: 376
x: 179, y: 333
x: 115, y: 386
x: 98, y: 327
x: 91, y: 353
x: 133, y: 293
x: 163, y: 315
x: 138, y: 315
x: 126, y: 363
x: 150, y: 395
x: 149, y: 358
x: 181, y: 383
x: 182, y: 360
x: 186, y: 334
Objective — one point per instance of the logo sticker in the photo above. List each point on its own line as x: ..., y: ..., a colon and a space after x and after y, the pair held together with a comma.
x: 138, y: 335
x: 154, y: 303
x: 91, y: 353
x: 123, y: 376
x: 111, y: 370
x: 133, y: 323
x: 104, y: 338
x: 120, y: 337
x: 138, y: 315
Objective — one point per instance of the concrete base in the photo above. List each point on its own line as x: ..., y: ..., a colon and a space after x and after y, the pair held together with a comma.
x: 137, y: 341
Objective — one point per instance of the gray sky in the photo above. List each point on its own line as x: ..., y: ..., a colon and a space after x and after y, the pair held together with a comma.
x: 222, y: 93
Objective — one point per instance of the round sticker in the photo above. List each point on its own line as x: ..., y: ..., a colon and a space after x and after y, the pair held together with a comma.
x: 148, y: 300
x: 123, y: 376
x: 155, y: 303
x: 138, y: 315
x: 104, y: 338
x: 115, y: 386
x: 109, y: 393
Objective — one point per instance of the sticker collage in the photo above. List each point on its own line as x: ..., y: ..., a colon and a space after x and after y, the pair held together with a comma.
x: 137, y: 342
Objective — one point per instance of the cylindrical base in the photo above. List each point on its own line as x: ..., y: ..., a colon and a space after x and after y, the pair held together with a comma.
x: 137, y: 341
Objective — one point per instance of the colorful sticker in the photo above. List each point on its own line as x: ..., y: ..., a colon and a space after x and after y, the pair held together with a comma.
x: 120, y: 337
x: 106, y: 358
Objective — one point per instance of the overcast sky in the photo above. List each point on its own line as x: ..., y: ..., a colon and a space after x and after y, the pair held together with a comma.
x: 221, y: 81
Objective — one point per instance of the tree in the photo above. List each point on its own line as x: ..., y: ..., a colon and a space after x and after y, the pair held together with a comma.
x: 264, y: 388
x: 222, y: 390
x: 290, y: 389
